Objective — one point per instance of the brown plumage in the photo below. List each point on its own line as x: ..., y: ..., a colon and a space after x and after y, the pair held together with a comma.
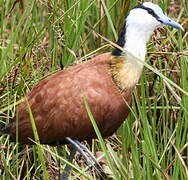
x: 58, y: 107
x: 106, y: 81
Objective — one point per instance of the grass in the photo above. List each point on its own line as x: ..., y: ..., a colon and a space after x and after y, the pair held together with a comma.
x: 36, y: 37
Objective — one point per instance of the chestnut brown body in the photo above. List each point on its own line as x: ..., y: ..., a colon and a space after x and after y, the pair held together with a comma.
x: 58, y: 108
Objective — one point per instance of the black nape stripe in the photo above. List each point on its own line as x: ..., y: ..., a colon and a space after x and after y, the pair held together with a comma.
x: 120, y: 42
x: 149, y: 10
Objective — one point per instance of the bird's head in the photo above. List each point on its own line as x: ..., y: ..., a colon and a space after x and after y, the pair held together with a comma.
x: 148, y: 16
x: 140, y: 24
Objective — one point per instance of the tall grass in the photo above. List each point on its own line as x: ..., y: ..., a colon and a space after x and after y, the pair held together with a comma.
x: 38, y: 37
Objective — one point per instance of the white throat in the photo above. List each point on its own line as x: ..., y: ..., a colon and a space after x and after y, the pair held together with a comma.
x: 135, y: 41
x: 139, y: 27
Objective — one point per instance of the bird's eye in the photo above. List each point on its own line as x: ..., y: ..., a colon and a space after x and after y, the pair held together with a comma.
x: 150, y: 11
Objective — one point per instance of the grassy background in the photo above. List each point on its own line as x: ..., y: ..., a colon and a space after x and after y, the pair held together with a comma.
x: 38, y: 36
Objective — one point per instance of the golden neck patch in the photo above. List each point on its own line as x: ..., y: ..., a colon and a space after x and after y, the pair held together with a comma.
x: 125, y: 72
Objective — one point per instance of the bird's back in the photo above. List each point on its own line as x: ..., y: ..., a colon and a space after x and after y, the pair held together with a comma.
x: 58, y: 108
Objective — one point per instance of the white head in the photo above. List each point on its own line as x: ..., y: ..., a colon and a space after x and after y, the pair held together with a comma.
x: 147, y: 17
x: 140, y: 24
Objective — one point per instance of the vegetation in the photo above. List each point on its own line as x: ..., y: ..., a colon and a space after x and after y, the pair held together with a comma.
x: 38, y: 36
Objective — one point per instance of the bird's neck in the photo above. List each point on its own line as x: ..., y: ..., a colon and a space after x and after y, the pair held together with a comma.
x: 135, y: 41
x: 126, y: 69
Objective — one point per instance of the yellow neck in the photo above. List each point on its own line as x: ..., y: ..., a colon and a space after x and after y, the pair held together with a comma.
x: 126, y: 71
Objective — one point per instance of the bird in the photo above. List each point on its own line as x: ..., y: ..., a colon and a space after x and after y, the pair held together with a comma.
x: 106, y: 81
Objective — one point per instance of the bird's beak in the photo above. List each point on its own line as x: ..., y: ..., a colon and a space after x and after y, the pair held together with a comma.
x: 167, y: 21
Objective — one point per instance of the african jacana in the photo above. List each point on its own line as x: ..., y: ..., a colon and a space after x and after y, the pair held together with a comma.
x: 106, y: 81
